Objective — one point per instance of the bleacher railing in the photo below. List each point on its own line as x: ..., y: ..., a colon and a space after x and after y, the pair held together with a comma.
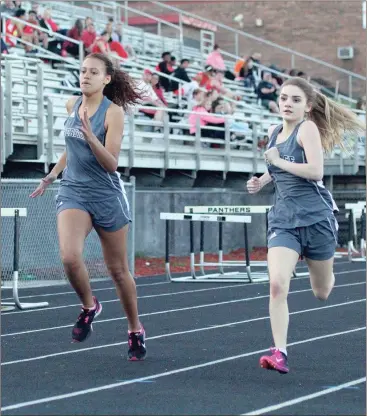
x: 47, y: 53
x: 172, y: 148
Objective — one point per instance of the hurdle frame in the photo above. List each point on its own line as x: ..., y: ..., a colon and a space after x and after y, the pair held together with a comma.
x: 231, y: 209
x: 242, y: 277
x: 356, y: 211
x: 16, y: 213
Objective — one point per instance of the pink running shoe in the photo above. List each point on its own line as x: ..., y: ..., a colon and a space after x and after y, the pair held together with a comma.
x: 277, y: 361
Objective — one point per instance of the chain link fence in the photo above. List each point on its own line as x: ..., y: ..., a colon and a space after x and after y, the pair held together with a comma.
x: 39, y: 261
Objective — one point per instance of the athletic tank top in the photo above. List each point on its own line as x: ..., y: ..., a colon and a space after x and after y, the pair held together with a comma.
x: 298, y: 202
x: 83, y: 178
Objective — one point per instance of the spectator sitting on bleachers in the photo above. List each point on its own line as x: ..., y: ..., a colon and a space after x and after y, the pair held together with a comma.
x: 154, y: 82
x: 74, y: 33
x: 196, y: 99
x: 204, y: 78
x: 247, y: 73
x: 255, y: 58
x: 112, y: 48
x: 35, y: 7
x: 101, y: 44
x: 216, y: 83
x: 165, y: 67
x: 89, y: 37
x: 51, y: 42
x: 128, y: 49
x: 30, y: 34
x: 206, y: 119
x: 267, y: 92
x: 180, y: 73
x: 239, y: 128
x: 215, y: 60
x: 239, y: 65
x: 8, y: 7
x: 14, y: 28
x: 149, y: 97
x: 46, y: 22
x: 114, y: 35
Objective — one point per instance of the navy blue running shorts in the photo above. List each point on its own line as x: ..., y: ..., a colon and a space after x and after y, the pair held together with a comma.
x: 110, y: 214
x: 316, y: 242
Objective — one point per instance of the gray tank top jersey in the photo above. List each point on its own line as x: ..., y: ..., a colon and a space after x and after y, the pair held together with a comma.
x: 83, y: 178
x: 298, y: 202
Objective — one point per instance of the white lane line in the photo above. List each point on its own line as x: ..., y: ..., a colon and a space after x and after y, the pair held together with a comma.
x: 182, y: 292
x: 158, y: 295
x: 305, y: 398
x: 164, y: 374
x: 171, y: 334
x: 206, y: 305
x: 71, y: 292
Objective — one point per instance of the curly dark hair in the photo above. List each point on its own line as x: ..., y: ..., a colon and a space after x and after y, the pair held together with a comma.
x: 121, y: 90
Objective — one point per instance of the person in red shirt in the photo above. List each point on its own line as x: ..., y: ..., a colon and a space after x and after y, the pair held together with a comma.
x: 89, y: 37
x: 101, y: 44
x: 30, y: 34
x: 75, y: 33
x: 15, y: 29
x: 204, y: 78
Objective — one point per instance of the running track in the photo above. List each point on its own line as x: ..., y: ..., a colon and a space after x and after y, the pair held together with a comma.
x: 204, y: 341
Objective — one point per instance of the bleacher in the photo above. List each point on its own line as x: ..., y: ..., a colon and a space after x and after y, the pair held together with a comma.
x: 34, y: 96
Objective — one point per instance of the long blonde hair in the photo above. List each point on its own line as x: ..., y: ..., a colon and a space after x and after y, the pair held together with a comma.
x: 334, y: 121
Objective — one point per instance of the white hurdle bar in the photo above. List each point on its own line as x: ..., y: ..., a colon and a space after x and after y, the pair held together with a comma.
x: 230, y: 209
x: 246, y: 277
x: 16, y: 213
x: 356, y: 211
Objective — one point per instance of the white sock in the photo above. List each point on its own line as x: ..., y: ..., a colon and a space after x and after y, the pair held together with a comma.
x: 283, y: 350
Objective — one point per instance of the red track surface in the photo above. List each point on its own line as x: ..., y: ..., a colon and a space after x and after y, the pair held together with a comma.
x: 150, y: 266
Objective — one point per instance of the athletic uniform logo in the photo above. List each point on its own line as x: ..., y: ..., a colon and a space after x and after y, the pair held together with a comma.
x: 273, y: 235
x: 288, y: 158
x: 71, y: 132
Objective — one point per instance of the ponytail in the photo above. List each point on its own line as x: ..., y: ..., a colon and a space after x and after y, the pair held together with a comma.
x: 337, y: 124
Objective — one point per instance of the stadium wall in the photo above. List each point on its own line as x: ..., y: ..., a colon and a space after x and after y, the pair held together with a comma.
x: 314, y: 28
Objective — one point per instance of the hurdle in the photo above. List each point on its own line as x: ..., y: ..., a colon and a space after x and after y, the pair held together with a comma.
x: 247, y: 277
x: 16, y: 213
x: 230, y: 209
x: 356, y: 211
